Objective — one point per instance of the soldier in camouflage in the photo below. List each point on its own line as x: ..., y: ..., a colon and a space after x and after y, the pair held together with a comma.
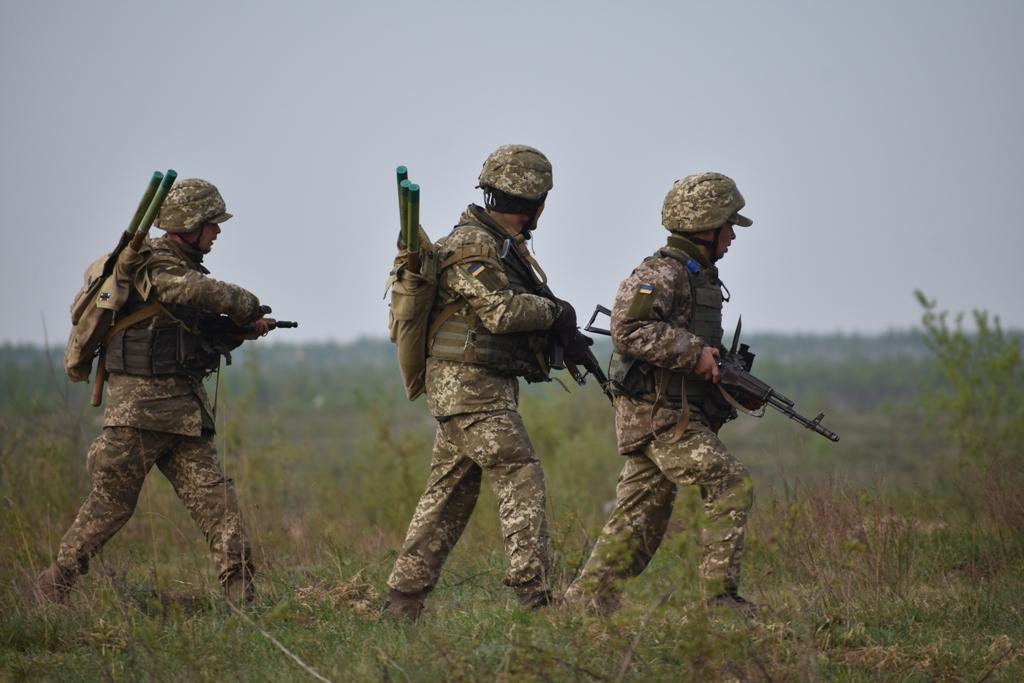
x: 158, y: 412
x: 667, y: 333
x: 487, y: 330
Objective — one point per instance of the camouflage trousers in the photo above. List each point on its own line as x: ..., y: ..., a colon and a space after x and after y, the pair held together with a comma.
x: 466, y: 446
x: 644, y: 498
x: 118, y: 462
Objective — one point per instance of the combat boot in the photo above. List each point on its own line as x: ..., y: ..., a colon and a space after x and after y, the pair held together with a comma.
x: 731, y: 599
x: 55, y: 583
x: 534, y: 594
x: 240, y: 589
x: 600, y: 598
x: 404, y: 606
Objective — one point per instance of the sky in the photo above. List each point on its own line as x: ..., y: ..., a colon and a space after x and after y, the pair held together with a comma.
x: 879, y: 145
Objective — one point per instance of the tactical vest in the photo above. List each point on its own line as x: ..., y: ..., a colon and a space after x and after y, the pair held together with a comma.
x: 166, y: 342
x: 639, y: 379
x: 459, y: 335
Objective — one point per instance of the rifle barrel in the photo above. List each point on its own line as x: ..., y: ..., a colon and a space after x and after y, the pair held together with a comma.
x: 814, y: 425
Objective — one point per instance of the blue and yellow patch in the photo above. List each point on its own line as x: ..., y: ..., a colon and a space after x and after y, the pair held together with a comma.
x: 643, y: 302
x: 488, y: 276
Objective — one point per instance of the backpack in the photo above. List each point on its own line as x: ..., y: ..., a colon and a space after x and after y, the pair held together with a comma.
x: 413, y: 290
x: 108, y: 283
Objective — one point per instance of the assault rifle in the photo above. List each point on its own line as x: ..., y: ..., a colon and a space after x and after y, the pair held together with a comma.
x: 741, y: 389
x: 223, y: 326
x: 564, y: 353
x: 749, y: 394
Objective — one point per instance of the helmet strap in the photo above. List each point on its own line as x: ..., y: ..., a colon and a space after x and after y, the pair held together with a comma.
x: 496, y: 200
x: 711, y: 245
x: 194, y: 243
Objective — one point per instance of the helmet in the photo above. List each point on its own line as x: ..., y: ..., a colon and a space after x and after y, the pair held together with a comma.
x: 703, y: 202
x: 517, y: 170
x: 189, y: 204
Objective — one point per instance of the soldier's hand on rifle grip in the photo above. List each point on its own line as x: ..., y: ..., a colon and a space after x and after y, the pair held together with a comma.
x: 707, y: 364
x: 565, y: 321
x: 260, y: 328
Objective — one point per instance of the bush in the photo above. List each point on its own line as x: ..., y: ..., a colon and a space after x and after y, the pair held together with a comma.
x: 980, y: 405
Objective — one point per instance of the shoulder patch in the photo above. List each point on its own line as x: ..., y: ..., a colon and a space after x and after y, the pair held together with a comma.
x: 486, y: 274
x: 643, y: 302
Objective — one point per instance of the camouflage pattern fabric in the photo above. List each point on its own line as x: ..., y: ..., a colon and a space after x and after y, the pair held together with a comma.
x: 178, y: 277
x: 658, y: 334
x: 177, y: 404
x: 118, y: 463
x: 478, y: 432
x: 495, y: 443
x: 190, y: 203
x: 652, y: 319
x: 453, y: 387
x: 644, y: 497
x: 518, y: 170
x: 703, y: 202
x: 166, y: 421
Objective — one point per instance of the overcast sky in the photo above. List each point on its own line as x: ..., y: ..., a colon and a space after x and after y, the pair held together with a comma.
x: 879, y: 145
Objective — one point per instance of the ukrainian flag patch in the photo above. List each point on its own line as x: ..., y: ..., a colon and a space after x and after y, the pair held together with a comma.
x: 643, y: 302
x: 485, y: 275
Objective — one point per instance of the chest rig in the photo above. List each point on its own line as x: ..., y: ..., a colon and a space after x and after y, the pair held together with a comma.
x: 458, y: 334
x: 162, y: 339
x: 639, y: 379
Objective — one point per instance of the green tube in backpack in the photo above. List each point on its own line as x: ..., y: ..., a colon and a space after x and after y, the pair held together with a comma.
x: 402, y: 180
x: 412, y: 223
x: 144, y: 203
x: 142, y: 228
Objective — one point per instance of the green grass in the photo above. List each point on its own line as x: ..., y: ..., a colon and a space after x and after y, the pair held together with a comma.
x: 878, y: 558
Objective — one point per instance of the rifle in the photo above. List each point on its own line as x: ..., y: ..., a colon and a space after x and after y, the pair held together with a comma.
x: 741, y: 389
x: 132, y: 238
x: 578, y: 346
x: 750, y: 394
x: 223, y: 326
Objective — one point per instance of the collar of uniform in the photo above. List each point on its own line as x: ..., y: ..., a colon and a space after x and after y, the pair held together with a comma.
x: 477, y: 215
x: 193, y: 257
x: 680, y: 243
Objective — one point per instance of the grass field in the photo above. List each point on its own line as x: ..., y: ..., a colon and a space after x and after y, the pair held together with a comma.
x: 896, y: 554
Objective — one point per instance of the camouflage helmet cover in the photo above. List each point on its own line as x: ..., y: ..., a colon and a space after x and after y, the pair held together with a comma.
x: 703, y: 202
x: 517, y: 170
x: 189, y: 204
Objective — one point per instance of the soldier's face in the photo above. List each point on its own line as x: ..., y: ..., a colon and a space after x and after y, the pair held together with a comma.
x: 725, y: 237
x: 207, y: 236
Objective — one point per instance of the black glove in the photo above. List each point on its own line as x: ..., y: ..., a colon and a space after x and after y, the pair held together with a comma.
x: 577, y: 350
x: 564, y: 325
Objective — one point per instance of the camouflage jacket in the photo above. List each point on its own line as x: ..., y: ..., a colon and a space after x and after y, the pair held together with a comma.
x: 178, y: 404
x: 454, y: 387
x: 655, y: 332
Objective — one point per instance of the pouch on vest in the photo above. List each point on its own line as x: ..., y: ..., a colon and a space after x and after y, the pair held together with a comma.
x: 412, y: 298
x: 107, y: 286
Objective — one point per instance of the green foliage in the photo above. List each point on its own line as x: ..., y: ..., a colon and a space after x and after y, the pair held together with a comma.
x: 871, y: 568
x: 981, y: 405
